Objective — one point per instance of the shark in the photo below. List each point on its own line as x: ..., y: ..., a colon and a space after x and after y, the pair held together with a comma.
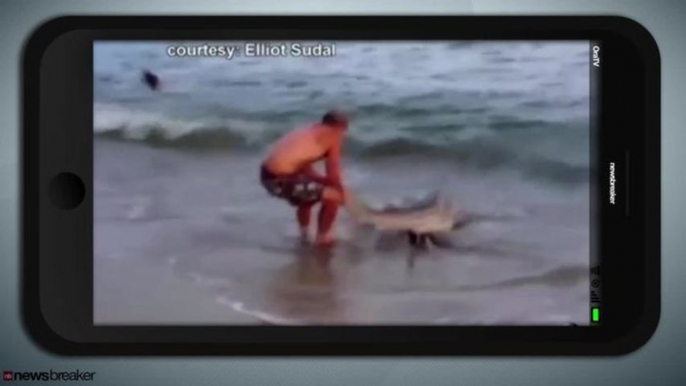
x: 423, y: 221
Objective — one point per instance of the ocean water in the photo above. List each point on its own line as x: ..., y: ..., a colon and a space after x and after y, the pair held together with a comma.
x: 501, y: 128
x: 488, y: 105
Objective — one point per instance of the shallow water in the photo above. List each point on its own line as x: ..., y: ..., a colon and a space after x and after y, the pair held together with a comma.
x: 208, y: 218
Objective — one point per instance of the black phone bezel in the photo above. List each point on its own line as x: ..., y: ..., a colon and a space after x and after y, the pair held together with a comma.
x: 57, y: 244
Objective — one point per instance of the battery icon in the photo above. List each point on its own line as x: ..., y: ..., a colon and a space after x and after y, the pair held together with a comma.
x: 595, y: 314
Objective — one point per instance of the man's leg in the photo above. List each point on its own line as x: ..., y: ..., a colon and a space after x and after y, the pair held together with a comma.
x: 303, y: 213
x: 331, y: 200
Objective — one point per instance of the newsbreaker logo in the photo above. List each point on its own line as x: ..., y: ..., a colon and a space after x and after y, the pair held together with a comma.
x: 47, y: 376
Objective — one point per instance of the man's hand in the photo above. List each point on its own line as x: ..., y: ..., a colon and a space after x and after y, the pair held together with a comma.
x: 344, y: 193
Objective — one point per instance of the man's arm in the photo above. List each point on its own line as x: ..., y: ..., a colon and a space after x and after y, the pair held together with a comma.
x: 333, y: 165
x: 311, y: 172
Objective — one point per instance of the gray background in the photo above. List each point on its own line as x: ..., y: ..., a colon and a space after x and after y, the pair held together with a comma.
x: 660, y: 362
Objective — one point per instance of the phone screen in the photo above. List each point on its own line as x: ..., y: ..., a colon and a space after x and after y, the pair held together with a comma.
x: 345, y: 183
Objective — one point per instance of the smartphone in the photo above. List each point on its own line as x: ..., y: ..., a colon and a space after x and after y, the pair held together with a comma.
x: 341, y: 185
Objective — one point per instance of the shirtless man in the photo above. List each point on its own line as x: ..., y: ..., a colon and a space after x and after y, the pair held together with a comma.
x: 288, y: 172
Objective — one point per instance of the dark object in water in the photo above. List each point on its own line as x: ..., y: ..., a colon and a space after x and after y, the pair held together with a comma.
x: 422, y: 240
x: 150, y: 79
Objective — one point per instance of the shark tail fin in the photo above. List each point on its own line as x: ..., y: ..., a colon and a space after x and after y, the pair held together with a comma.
x: 356, y: 207
x: 443, y: 203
